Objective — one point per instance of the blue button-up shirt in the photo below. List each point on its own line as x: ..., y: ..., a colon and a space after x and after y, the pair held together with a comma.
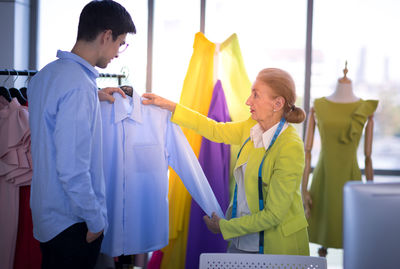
x: 66, y: 143
x: 140, y: 144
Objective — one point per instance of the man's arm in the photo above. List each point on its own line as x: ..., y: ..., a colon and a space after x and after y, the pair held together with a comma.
x: 73, y: 144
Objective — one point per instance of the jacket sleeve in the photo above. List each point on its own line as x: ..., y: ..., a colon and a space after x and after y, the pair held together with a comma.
x: 73, y: 145
x: 220, y: 132
x: 184, y: 162
x: 284, y: 183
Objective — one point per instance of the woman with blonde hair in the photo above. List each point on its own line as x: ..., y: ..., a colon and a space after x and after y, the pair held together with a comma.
x: 266, y: 212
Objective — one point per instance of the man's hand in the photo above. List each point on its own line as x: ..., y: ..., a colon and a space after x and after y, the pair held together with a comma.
x: 90, y: 237
x: 106, y: 94
x: 212, y: 223
x: 153, y: 99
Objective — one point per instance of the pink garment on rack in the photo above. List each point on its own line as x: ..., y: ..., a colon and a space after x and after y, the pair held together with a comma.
x: 155, y: 261
x: 27, y: 250
x: 15, y: 171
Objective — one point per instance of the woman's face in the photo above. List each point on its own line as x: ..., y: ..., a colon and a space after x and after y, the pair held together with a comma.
x: 261, y: 101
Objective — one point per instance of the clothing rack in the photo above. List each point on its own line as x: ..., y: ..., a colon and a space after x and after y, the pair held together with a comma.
x: 30, y: 73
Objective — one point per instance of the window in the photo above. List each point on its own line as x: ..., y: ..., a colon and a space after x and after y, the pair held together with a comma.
x: 58, y: 30
x: 132, y: 62
x: 361, y: 33
x: 175, y: 24
x: 270, y: 34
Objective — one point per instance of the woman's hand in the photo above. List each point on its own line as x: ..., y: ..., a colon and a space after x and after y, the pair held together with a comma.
x: 212, y: 223
x: 106, y: 94
x: 307, y: 203
x: 153, y: 99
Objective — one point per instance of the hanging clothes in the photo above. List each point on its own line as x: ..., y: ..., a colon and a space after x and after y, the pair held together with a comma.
x: 27, y: 250
x: 140, y: 143
x: 234, y: 79
x: 15, y: 171
x: 340, y: 126
x: 214, y: 159
x: 196, y: 94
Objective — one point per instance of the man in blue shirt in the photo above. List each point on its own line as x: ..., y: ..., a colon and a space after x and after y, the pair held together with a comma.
x: 67, y: 192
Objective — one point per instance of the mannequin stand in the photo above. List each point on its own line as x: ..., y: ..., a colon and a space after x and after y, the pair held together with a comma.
x: 322, y: 251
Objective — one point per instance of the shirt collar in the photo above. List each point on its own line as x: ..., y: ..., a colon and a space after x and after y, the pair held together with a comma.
x: 261, y: 138
x: 129, y: 107
x: 69, y: 55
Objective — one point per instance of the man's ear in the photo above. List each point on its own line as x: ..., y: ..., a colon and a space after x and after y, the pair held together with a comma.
x: 105, y: 36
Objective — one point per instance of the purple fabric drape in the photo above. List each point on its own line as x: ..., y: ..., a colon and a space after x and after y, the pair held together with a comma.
x: 214, y: 159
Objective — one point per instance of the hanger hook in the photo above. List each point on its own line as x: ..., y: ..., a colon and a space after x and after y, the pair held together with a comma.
x: 27, y: 78
x: 15, y: 78
x: 9, y: 75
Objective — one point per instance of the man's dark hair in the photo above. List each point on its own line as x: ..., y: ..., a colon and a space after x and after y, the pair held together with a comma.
x: 98, y: 16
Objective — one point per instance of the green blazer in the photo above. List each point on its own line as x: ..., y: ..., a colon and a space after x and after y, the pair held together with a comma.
x: 282, y: 219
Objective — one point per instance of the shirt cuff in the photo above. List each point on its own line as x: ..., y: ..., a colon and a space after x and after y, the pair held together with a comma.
x: 177, y: 115
x: 223, y: 223
x: 96, y: 225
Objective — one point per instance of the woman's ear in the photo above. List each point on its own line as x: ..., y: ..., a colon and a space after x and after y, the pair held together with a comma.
x: 279, y: 103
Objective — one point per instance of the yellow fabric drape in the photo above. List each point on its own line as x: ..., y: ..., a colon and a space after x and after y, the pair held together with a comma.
x: 196, y: 94
x: 237, y: 88
x: 234, y: 79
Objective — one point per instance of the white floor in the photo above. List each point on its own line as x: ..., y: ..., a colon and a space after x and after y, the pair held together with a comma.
x: 334, y: 258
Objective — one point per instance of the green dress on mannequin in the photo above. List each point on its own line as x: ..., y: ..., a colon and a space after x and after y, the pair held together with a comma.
x: 340, y: 126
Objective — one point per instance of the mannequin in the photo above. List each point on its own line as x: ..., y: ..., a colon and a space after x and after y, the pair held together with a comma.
x: 344, y: 90
x: 343, y: 98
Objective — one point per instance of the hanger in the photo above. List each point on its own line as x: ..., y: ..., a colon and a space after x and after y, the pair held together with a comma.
x: 24, y: 89
x: 128, y: 90
x: 15, y: 93
x: 344, y: 79
x: 4, y: 91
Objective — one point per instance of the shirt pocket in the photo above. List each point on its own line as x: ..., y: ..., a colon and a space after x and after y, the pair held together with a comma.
x: 149, y: 158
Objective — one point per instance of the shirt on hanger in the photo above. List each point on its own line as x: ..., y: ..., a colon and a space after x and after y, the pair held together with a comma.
x: 140, y: 142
